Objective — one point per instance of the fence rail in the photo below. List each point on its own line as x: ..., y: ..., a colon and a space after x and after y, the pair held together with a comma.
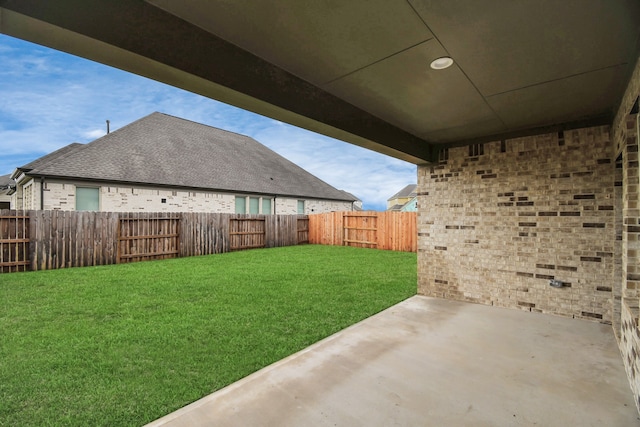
x: 394, y: 231
x: 246, y: 233
x: 143, y: 236
x: 45, y: 240
x: 14, y: 243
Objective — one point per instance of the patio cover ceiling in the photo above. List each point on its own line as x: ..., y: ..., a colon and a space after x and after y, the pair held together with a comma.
x: 358, y: 70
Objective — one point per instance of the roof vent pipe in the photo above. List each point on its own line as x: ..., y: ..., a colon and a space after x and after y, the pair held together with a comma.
x: 108, y: 127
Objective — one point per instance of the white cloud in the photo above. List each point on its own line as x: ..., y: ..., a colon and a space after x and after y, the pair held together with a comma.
x: 49, y: 99
x: 95, y: 134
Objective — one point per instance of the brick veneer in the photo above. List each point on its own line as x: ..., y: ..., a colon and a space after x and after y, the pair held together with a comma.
x: 497, y: 222
x: 627, y: 284
x: 630, y: 347
x: 61, y: 196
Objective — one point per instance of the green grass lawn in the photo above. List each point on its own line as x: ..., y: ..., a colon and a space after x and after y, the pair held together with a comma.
x: 126, y: 344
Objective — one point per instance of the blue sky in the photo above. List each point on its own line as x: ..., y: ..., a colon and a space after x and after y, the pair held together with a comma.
x: 49, y: 99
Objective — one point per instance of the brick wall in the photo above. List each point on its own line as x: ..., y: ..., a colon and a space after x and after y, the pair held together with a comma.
x: 321, y: 206
x: 128, y: 199
x: 287, y: 206
x: 58, y: 196
x: 626, y: 131
x: 630, y: 347
x: 498, y: 221
x: 61, y: 196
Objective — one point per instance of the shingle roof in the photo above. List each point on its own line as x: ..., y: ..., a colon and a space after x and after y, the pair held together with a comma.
x: 351, y: 196
x: 408, y: 191
x: 164, y: 150
x: 51, y: 157
x: 5, y: 180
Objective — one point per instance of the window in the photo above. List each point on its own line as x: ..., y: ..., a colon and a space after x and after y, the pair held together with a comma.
x: 266, y: 206
x: 476, y: 150
x: 241, y: 205
x: 87, y: 199
x: 443, y: 155
x: 254, y: 205
x: 27, y: 196
x: 301, y: 207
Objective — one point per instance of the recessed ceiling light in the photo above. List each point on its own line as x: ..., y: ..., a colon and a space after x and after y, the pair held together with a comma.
x: 442, y: 63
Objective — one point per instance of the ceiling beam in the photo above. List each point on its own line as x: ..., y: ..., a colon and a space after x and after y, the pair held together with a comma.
x: 142, y: 39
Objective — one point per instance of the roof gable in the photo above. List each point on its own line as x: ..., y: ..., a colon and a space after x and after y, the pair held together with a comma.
x: 164, y: 150
x: 408, y: 191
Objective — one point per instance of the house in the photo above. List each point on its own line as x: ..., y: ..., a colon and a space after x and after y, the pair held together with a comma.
x: 522, y: 119
x: 401, y: 198
x: 165, y: 163
x: 5, y: 187
x: 410, y: 206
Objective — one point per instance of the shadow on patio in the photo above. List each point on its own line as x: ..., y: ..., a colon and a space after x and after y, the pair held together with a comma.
x: 433, y: 362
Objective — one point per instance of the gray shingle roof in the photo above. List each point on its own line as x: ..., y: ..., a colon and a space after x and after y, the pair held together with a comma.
x: 351, y: 196
x: 5, y: 180
x: 164, y: 150
x: 51, y: 157
x: 395, y: 208
x: 408, y: 191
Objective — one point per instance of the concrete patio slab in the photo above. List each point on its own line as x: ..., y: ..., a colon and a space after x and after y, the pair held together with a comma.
x: 432, y: 362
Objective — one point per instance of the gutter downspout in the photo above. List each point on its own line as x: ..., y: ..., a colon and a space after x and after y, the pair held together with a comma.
x: 42, y: 193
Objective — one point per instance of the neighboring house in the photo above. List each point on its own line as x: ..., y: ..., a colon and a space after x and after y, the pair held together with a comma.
x: 401, y: 198
x: 5, y: 187
x: 164, y: 163
x: 410, y: 206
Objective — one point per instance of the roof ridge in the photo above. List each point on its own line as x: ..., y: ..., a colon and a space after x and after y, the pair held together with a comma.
x: 203, y: 124
x: 255, y: 140
x: 101, y: 139
x: 161, y: 149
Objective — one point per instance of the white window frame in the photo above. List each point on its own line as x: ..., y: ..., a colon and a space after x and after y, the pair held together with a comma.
x: 247, y: 204
x: 27, y: 195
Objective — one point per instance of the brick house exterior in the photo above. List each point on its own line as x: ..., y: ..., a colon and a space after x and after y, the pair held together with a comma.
x: 162, y: 163
x: 497, y: 225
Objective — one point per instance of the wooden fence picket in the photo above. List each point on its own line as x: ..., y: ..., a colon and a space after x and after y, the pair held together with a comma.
x: 41, y: 240
x: 63, y: 239
x: 396, y: 231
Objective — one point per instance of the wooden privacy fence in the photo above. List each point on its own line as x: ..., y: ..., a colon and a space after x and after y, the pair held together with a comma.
x: 14, y: 243
x: 303, y: 230
x: 394, y: 231
x: 153, y: 237
x: 44, y: 240
x: 246, y: 233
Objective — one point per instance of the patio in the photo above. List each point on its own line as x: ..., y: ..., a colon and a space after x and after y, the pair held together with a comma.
x: 429, y: 361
